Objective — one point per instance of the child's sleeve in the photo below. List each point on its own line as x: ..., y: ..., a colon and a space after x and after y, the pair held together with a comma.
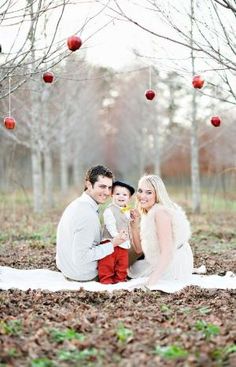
x: 110, y: 222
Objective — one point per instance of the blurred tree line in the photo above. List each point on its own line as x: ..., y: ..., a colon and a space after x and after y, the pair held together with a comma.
x: 91, y: 115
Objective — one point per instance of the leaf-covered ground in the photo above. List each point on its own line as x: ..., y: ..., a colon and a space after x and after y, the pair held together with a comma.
x: 195, y: 327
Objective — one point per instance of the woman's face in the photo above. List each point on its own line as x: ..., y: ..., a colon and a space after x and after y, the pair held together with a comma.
x: 146, y: 195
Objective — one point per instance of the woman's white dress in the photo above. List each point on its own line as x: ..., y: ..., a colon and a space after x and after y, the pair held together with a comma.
x: 181, y: 264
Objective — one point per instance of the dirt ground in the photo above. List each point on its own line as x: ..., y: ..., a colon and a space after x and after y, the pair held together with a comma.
x: 195, y: 327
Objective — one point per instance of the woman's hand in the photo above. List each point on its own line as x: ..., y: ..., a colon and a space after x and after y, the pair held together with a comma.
x: 134, y: 217
x: 134, y: 230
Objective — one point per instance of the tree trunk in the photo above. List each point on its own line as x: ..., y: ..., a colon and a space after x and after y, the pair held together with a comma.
x: 157, y: 167
x: 195, y: 174
x: 35, y: 126
x: 63, y: 164
x: 48, y: 178
x: 37, y: 179
x: 142, y: 153
x: 77, y: 169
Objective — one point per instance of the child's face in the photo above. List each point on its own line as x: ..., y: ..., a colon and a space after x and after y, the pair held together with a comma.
x: 120, y: 196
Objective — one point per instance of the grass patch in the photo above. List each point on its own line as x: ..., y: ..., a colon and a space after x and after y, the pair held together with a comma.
x: 171, y: 352
x: 208, y: 330
x: 42, y: 362
x: 124, y: 335
x: 204, y: 310
x: 87, y: 354
x: 222, y: 354
x: 59, y: 336
x: 11, y: 327
x: 165, y: 309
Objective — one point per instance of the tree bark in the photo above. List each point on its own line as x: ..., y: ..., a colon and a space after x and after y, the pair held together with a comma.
x: 157, y: 167
x: 35, y: 127
x: 195, y: 173
x: 37, y: 178
x: 48, y: 178
x: 63, y: 164
x: 77, y: 169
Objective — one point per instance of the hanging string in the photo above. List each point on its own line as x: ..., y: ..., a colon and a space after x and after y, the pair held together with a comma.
x: 150, y: 77
x: 9, y: 95
x: 215, y: 98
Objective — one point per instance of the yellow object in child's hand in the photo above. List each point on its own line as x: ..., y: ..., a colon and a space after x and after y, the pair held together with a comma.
x: 125, y: 209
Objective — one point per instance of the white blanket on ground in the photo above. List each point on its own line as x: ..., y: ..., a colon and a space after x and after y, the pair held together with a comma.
x: 44, y: 279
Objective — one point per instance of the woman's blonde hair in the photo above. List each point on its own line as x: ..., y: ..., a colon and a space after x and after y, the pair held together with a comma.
x: 161, y: 193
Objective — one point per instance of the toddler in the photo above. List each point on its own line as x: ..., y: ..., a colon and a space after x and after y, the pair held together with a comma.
x: 113, y: 268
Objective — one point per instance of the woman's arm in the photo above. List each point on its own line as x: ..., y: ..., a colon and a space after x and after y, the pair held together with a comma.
x: 135, y: 231
x: 165, y: 239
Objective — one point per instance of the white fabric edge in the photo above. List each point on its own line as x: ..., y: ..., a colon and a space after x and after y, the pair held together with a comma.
x: 53, y: 281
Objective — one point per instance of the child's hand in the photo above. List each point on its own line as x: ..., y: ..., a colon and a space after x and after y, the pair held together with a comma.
x: 120, y: 238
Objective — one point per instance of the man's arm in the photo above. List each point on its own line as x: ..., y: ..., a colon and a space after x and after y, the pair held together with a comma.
x: 84, y: 247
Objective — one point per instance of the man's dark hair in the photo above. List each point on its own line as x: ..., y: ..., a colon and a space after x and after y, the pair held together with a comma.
x: 93, y: 173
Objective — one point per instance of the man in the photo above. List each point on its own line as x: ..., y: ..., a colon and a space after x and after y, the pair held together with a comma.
x: 79, y: 232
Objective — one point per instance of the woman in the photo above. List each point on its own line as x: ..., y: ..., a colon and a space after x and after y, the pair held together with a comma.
x: 162, y: 235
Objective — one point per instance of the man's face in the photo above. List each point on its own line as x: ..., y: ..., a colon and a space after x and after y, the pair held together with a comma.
x: 101, y: 190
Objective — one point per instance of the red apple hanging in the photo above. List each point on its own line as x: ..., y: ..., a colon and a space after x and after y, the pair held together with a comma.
x: 197, y: 82
x: 48, y: 77
x: 74, y: 43
x: 215, y: 121
x: 150, y: 94
x: 9, y: 122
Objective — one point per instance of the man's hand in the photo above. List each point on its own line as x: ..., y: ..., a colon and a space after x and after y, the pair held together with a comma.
x: 120, y: 238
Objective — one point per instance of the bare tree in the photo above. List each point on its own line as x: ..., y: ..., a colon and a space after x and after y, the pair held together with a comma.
x: 49, y: 50
x: 195, y: 172
x: 210, y: 40
x: 38, y: 50
x: 214, y: 38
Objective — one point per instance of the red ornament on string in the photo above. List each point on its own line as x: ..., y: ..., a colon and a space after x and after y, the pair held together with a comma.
x: 150, y: 94
x: 74, y: 43
x: 9, y: 123
x: 197, y: 82
x: 215, y: 121
x: 48, y: 77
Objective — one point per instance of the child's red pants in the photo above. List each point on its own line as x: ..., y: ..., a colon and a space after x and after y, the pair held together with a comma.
x: 113, y: 268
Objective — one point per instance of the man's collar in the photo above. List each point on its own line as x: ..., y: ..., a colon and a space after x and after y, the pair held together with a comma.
x: 86, y: 197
